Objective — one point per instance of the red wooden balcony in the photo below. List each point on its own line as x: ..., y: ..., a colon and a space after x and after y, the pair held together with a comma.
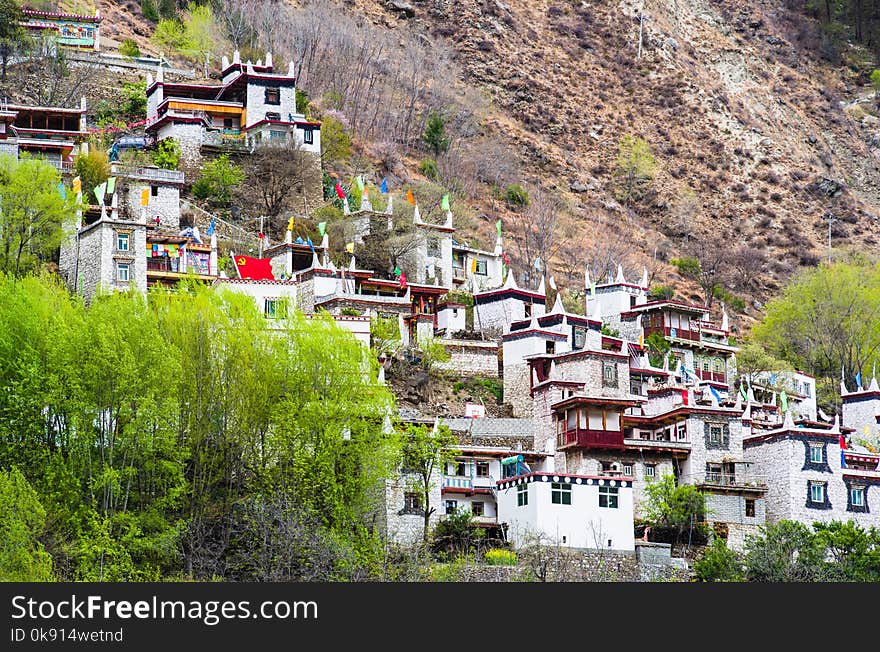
x: 712, y: 375
x: 679, y: 333
x: 583, y: 438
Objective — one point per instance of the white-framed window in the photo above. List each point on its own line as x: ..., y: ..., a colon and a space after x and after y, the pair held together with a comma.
x: 817, y: 492
x: 482, y: 469
x: 274, y: 308
x: 522, y: 494
x: 816, y: 453
x: 682, y: 432
x: 481, y: 268
x: 451, y: 506
x: 650, y: 470
x: 123, y: 241
x: 857, y: 496
x: 122, y: 272
x: 560, y: 493
x: 308, y: 136
x: 807, y: 390
x: 715, y: 434
x: 628, y: 470
x: 608, y: 497
x: 609, y: 374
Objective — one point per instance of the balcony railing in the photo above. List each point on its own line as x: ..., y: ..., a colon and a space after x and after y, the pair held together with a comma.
x: 658, y: 443
x: 458, y: 274
x: 583, y: 438
x: 151, y: 174
x: 732, y: 480
x: 678, y: 333
x: 237, y: 143
x: 458, y: 482
x: 712, y: 375
x: 63, y: 166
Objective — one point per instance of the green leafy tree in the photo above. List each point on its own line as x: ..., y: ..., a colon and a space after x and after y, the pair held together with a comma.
x: 129, y: 48
x: 752, y: 360
x: 22, y: 522
x: 218, y: 180
x: 852, y: 552
x: 719, y: 564
x: 658, y: 348
x: 335, y: 140
x: 33, y: 215
x: 12, y: 36
x: 635, y: 169
x: 669, y: 505
x: 516, y: 196
x: 167, y: 154
x: 425, y: 454
x: 93, y: 169
x: 435, y: 134
x: 786, y: 551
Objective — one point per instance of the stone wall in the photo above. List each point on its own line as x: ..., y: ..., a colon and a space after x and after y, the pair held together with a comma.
x: 517, y: 389
x: 402, y: 526
x: 165, y: 204
x: 469, y: 358
x: 860, y: 411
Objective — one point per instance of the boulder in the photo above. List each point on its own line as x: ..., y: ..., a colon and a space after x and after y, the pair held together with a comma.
x: 402, y: 8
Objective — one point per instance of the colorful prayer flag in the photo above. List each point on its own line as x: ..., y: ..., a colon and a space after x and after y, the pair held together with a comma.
x: 258, y: 269
x: 99, y: 193
x: 498, y: 227
x: 322, y: 228
x: 444, y: 203
x: 473, y: 265
x: 410, y: 198
x: 384, y: 187
x: 62, y: 190
x: 538, y: 263
x: 783, y: 401
x: 350, y: 247
x: 396, y: 271
x: 365, y: 190
x: 290, y: 223
x: 715, y: 393
x: 309, y: 242
x: 339, y: 191
x: 402, y: 280
x: 858, y: 378
x: 77, y: 185
x: 360, y: 183
x: 210, y: 230
x: 111, y: 185
x: 145, y: 197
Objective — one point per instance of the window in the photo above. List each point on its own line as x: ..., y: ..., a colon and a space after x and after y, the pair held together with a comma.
x: 122, y: 272
x: 308, y: 136
x: 610, y: 468
x: 481, y: 267
x: 450, y: 506
x: 713, y: 472
x: 857, y: 496
x: 550, y: 346
x: 580, y: 338
x: 273, y: 95
x: 227, y: 123
x: 807, y: 390
x: 122, y: 241
x: 715, y: 434
x: 817, y: 492
x: 527, y: 307
x: 478, y: 508
x: 457, y: 468
x: 560, y: 493
x: 608, y: 497
x: 816, y: 453
x: 277, y: 136
x: 154, y: 191
x: 609, y: 374
x: 522, y: 495
x: 412, y: 502
x: 682, y: 432
x: 750, y: 508
x: 628, y: 470
x: 482, y: 469
x: 649, y: 471
x: 272, y: 115
x: 274, y: 308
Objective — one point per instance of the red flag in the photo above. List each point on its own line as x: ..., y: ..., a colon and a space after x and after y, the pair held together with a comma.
x: 402, y: 280
x: 339, y: 192
x: 843, y: 446
x: 684, y: 396
x: 258, y: 269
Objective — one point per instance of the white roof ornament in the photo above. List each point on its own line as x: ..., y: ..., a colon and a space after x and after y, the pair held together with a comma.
x: 873, y: 387
x: 645, y: 277
x: 389, y: 209
x: 448, y: 223
x: 558, y: 308
x: 597, y: 312
x: 510, y: 281
x: 747, y: 414
x: 387, y: 428
x: 541, y: 287
x: 351, y: 265
x: 725, y: 320
x: 291, y: 70
x: 316, y: 263
x: 750, y: 395
x: 366, y: 204
x: 325, y: 242
x: 620, y: 278
x: 836, y: 427
x: 381, y: 380
x: 417, y: 216
x: 268, y: 59
x: 788, y: 423
x: 345, y: 209
x: 587, y: 278
x: 236, y: 57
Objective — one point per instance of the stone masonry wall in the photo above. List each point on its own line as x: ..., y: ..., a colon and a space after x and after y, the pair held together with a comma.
x: 471, y: 358
x: 517, y: 389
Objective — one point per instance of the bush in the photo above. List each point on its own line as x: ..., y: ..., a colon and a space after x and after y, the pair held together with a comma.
x: 516, y: 196
x: 167, y: 154
x: 435, y: 134
x: 719, y: 564
x: 500, y: 557
x: 148, y: 9
x: 428, y: 167
x: 129, y: 49
x: 661, y: 293
x: 93, y: 169
x: 217, y: 181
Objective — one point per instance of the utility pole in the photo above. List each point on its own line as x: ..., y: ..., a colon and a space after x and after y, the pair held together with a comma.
x: 829, y: 217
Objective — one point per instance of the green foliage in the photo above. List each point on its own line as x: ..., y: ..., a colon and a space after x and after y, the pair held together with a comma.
x: 826, y: 319
x: 875, y: 80
x: 432, y: 352
x: 516, y: 196
x: 735, y: 303
x: 33, y: 215
x: 687, y: 266
x: 635, y: 169
x: 457, y: 534
x: 194, y: 37
x: 459, y: 296
x: 128, y: 48
x: 435, y: 134
x: 13, y: 37
x: 218, y: 179
x: 127, y: 106
x: 500, y: 557
x: 385, y: 335
x: 424, y: 454
x: 680, y: 507
x: 428, y: 167
x: 149, y: 10
x: 22, y: 522
x: 302, y: 102
x: 661, y: 293
x: 167, y: 154
x: 657, y: 347
x: 719, y: 564
x: 786, y: 551
x: 481, y: 384
x: 171, y: 33
x: 752, y: 360
x: 610, y: 332
x: 335, y: 141
x: 158, y: 432
x: 93, y: 169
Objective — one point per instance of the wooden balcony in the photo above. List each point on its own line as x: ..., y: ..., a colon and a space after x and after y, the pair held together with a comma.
x: 584, y: 438
x: 677, y: 333
x: 712, y: 375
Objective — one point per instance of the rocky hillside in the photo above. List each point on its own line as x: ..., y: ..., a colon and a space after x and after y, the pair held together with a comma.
x: 755, y: 136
